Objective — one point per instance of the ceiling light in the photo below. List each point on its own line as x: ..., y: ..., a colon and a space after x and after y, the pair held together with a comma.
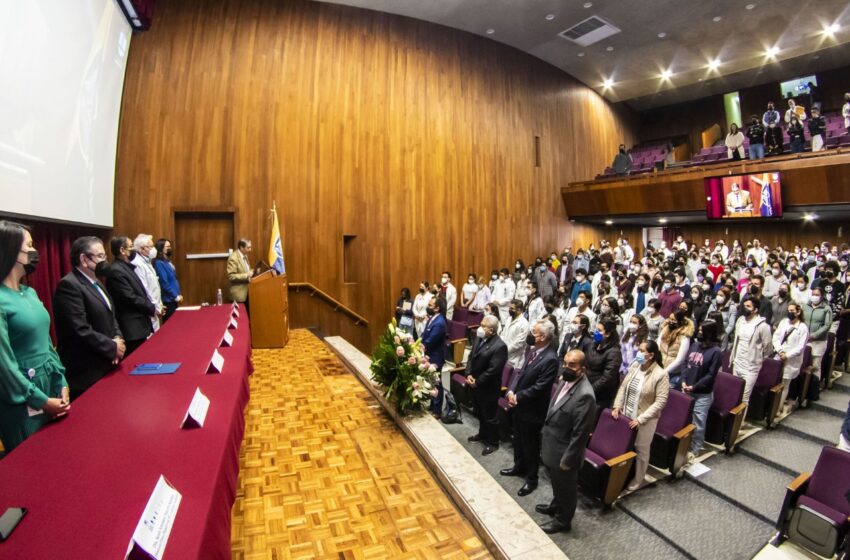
x: 609, y: 83
x: 666, y: 75
x: 662, y: 35
x: 609, y: 222
x: 750, y: 6
x: 817, y: 56
x: 809, y: 217
x: 662, y: 220
x: 714, y: 64
x: 491, y: 31
x: 771, y: 52
x: 717, y: 18
x: 588, y: 4
x: 581, y: 54
x: 831, y: 30
x: 550, y: 17
x: 609, y: 49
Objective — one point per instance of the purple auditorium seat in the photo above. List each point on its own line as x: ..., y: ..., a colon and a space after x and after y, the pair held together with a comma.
x: 504, y: 418
x: 845, y: 140
x: 767, y: 393
x: 460, y: 314
x: 460, y: 389
x: 727, y: 411
x: 456, y: 341
x: 673, y: 434
x: 608, y: 458
x: 725, y: 358
x: 815, y: 511
x: 473, y: 319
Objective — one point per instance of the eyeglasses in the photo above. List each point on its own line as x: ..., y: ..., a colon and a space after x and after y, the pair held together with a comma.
x: 101, y: 256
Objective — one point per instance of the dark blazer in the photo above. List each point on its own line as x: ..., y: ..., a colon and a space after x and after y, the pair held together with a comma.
x: 603, y: 369
x: 533, y: 387
x: 434, y: 340
x: 485, y: 364
x: 133, y: 309
x: 85, y: 329
x: 568, y: 426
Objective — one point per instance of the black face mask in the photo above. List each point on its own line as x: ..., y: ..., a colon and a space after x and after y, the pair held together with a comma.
x: 421, y: 290
x: 101, y: 269
x: 783, y: 294
x: 168, y: 253
x: 131, y: 254
x: 530, y: 340
x: 431, y: 311
x: 569, y: 375
x: 32, y: 265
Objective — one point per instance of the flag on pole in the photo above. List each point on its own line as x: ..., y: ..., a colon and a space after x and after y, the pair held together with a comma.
x: 276, y: 245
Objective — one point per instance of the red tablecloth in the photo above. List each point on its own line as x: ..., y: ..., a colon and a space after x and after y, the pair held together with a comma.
x: 86, y: 478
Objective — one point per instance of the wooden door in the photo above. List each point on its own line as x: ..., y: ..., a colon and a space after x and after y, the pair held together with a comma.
x: 201, y: 244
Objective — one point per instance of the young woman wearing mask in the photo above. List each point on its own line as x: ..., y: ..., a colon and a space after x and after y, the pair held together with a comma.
x: 789, y: 342
x: 674, y: 341
x: 703, y: 363
x: 636, y: 333
x: 728, y: 310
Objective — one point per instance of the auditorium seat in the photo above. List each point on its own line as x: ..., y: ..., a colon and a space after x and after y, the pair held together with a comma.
x: 504, y: 419
x: 456, y: 341
x: 800, y: 384
x: 815, y: 511
x: 673, y: 434
x: 473, y: 319
x: 725, y: 358
x: 727, y: 411
x: 608, y: 459
x: 460, y: 315
x: 767, y: 393
x: 828, y: 357
x: 460, y: 389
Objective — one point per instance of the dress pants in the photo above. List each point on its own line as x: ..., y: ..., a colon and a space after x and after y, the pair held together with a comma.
x: 170, y: 308
x: 486, y: 408
x: 565, y: 490
x: 527, y: 448
x: 642, y: 445
x: 749, y: 378
x: 131, y: 346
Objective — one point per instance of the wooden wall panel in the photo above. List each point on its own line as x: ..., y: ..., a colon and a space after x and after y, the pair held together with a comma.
x: 416, y: 138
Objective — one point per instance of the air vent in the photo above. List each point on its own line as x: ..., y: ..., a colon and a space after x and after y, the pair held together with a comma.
x: 589, y: 31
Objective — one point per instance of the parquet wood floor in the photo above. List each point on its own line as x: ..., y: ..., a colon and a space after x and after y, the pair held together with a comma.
x: 325, y: 473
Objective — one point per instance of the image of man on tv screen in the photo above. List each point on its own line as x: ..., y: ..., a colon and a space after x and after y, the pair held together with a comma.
x: 738, y: 201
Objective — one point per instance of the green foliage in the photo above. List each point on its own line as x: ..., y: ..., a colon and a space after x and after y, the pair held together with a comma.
x: 400, y: 366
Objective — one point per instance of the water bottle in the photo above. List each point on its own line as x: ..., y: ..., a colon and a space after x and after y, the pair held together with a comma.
x: 218, y: 298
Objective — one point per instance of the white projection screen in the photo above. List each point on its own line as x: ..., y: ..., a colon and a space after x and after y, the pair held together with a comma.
x: 62, y: 68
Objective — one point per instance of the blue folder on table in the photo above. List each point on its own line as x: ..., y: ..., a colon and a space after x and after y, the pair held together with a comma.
x: 155, y: 369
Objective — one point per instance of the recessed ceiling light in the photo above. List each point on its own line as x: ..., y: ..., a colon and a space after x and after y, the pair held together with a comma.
x: 491, y: 31
x: 809, y: 217
x: 831, y: 30
x: 662, y: 220
x: 750, y: 6
x: 714, y: 64
x: 609, y: 222
x: 717, y: 18
x: 699, y: 79
x: 588, y: 4
x: 771, y: 52
x: 550, y: 17
x: 609, y: 83
x: 581, y: 54
x: 817, y: 56
x: 666, y: 74
x: 662, y: 35
x: 609, y: 49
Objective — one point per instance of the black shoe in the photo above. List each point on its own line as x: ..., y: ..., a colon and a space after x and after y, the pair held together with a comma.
x: 513, y: 471
x: 489, y: 449
x: 527, y: 489
x: 555, y: 526
x: 546, y: 509
x: 476, y: 437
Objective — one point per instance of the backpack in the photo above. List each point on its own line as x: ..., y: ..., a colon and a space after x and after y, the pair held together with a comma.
x: 452, y: 414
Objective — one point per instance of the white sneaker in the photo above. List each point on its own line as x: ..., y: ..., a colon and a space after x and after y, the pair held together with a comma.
x: 691, y: 458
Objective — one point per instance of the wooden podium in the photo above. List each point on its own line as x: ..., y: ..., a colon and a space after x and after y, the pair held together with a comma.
x: 268, y: 296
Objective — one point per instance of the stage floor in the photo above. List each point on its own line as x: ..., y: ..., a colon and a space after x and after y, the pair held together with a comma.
x: 326, y: 473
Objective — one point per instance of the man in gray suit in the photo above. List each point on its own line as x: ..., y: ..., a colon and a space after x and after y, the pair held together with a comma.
x: 571, y: 417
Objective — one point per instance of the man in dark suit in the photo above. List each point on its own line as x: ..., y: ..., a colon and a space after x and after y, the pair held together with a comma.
x: 133, y: 308
x: 90, y: 342
x: 571, y: 416
x: 484, y: 374
x: 528, y: 398
x: 434, y: 343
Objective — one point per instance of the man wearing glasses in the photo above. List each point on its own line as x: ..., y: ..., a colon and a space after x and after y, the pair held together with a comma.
x: 90, y: 341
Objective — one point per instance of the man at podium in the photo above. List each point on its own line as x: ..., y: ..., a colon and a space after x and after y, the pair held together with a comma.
x: 239, y: 272
x: 738, y: 201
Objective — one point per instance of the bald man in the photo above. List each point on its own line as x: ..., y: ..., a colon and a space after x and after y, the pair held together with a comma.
x: 569, y: 421
x: 484, y: 375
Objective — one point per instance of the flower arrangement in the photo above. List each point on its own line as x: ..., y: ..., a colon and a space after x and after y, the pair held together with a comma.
x: 400, y: 366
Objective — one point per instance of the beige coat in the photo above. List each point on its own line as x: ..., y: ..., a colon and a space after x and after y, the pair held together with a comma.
x: 653, y: 394
x: 238, y: 275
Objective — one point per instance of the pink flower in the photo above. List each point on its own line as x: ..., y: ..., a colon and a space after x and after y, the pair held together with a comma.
x: 416, y: 386
x: 397, y: 340
x: 399, y: 351
x: 411, y: 361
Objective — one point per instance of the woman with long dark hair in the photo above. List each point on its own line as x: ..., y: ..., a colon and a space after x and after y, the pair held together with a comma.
x: 167, y: 275
x: 33, y: 389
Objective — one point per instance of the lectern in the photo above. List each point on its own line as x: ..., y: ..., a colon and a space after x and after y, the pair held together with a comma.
x: 268, y: 295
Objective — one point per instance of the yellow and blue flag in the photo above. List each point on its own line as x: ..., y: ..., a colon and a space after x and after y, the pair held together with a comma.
x: 276, y: 246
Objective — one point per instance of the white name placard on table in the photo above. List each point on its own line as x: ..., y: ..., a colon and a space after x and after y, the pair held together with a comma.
x: 197, y: 412
x: 152, y: 532
x: 233, y: 325
x: 216, y: 363
x: 235, y: 311
x: 226, y: 340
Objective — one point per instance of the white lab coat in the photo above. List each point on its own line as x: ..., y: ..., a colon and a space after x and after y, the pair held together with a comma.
x: 793, y: 346
x: 514, y: 333
x: 536, y: 309
x: 420, y: 313
x: 503, y: 293
x: 451, y: 299
x: 147, y: 274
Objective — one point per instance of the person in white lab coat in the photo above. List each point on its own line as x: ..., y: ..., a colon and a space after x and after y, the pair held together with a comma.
x: 514, y: 333
x: 145, y: 254
x: 503, y: 292
x: 450, y: 292
x: 789, y: 342
x: 420, y: 307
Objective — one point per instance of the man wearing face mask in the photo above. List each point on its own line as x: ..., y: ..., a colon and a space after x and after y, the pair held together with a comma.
x: 514, y: 333
x: 569, y: 420
x: 434, y: 345
x: 670, y: 296
x: 143, y: 261
x: 90, y: 342
x: 133, y: 309
x: 504, y: 291
x: 779, y: 304
x: 755, y: 133
x: 753, y: 345
x: 484, y: 374
x: 622, y: 163
x: 528, y: 399
x: 449, y: 292
x: 547, y: 282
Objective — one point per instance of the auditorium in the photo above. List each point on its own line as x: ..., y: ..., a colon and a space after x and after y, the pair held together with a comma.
x: 424, y: 279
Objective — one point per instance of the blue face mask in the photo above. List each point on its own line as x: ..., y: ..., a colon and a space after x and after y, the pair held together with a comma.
x: 598, y: 337
x: 640, y: 358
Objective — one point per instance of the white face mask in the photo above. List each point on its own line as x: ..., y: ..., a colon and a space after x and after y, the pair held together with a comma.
x: 152, y: 253
x: 580, y: 302
x: 444, y: 281
x: 621, y: 303
x: 570, y: 329
x: 605, y: 308
x: 720, y: 300
x: 816, y: 300
x: 633, y: 327
x: 480, y: 332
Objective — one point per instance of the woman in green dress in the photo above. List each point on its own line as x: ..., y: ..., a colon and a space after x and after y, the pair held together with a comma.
x: 33, y: 390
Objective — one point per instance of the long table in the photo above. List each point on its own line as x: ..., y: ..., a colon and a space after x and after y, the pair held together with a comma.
x: 85, y: 479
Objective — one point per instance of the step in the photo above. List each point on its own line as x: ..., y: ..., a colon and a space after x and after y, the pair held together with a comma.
x: 832, y: 402
x: 815, y: 425
x: 592, y: 527
x: 783, y: 450
x: 842, y: 384
x: 750, y: 485
x: 702, y: 524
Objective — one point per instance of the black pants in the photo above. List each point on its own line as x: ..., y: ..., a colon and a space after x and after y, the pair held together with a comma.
x: 565, y: 489
x: 132, y: 345
x: 170, y: 308
x: 527, y: 448
x: 485, y: 406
